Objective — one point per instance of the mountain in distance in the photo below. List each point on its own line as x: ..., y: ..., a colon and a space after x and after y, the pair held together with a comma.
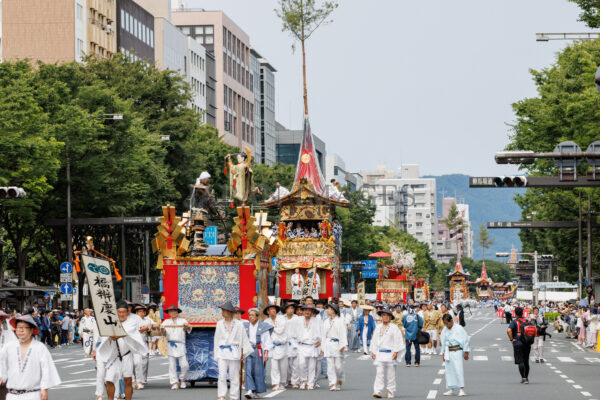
x: 485, y: 205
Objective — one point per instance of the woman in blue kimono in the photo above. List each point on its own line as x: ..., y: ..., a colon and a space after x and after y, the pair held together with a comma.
x: 455, y: 349
x: 365, y: 328
x: 260, y: 338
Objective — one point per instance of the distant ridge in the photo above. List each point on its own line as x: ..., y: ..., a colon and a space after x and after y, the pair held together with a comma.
x: 484, y: 205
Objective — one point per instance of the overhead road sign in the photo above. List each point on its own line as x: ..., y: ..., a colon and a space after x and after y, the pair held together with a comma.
x: 531, y: 181
x: 534, y: 224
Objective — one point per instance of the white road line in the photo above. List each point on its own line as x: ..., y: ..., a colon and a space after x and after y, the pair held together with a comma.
x: 558, y: 372
x: 503, y: 349
x: 506, y: 358
x: 570, y: 381
x: 273, y: 394
x: 432, y: 394
x: 577, y: 387
x: 441, y: 372
x: 566, y: 359
x: 480, y: 358
x: 586, y: 394
x: 437, y: 381
x: 578, y: 347
x: 82, y: 372
x: 479, y: 350
x: 498, y: 338
x: 552, y: 367
x: 564, y: 377
x: 592, y: 360
x: 73, y: 365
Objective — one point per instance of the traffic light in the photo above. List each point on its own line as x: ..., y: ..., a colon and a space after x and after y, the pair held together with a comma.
x: 498, y: 181
x: 12, y: 192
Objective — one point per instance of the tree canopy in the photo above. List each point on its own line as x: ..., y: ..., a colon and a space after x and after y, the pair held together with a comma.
x: 590, y: 12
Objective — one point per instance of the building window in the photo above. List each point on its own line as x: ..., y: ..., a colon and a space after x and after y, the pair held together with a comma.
x: 79, y: 11
x: 122, y: 19
x: 152, y: 39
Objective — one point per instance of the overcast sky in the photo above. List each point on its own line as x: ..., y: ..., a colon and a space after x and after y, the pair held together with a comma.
x: 397, y: 81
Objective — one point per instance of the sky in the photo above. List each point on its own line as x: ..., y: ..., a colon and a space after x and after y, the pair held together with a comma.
x: 418, y: 82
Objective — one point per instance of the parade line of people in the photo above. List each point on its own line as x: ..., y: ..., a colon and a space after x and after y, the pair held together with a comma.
x: 302, y: 341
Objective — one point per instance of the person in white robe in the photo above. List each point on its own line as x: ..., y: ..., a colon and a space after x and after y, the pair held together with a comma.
x: 353, y: 314
x: 100, y: 364
x: 174, y: 330
x: 118, y: 352
x: 455, y: 349
x: 141, y: 361
x: 316, y: 289
x: 291, y: 329
x: 386, y: 345
x: 231, y: 345
x: 334, y: 342
x: 297, y: 284
x: 87, y: 324
x: 309, y: 340
x: 6, y: 332
x: 278, y: 354
x: 259, y: 334
x: 26, y: 366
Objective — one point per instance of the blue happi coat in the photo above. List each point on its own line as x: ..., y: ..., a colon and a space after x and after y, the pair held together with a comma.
x: 370, y: 328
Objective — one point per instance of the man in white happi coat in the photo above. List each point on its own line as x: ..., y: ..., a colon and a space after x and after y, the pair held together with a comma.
x: 118, y: 352
x: 316, y: 289
x: 334, y: 342
x: 309, y: 340
x: 231, y: 345
x: 141, y: 361
x: 175, y: 329
x: 87, y: 324
x: 278, y: 354
x: 7, y: 335
x: 386, y: 345
x: 26, y: 365
x: 297, y: 284
x: 291, y: 329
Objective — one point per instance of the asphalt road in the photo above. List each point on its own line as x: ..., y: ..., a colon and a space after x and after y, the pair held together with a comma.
x: 570, y: 373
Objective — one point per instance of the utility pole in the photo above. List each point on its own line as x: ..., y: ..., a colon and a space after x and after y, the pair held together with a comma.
x: 580, y: 251
x: 535, y: 278
x: 588, y: 272
x: 69, y: 231
x: 147, y: 251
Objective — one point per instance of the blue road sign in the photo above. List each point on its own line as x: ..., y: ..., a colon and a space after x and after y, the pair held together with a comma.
x: 210, y: 235
x: 66, y: 288
x: 66, y: 268
x: 145, y: 289
x: 369, y: 270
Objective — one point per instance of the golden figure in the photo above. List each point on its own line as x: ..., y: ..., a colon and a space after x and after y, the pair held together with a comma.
x: 240, y: 177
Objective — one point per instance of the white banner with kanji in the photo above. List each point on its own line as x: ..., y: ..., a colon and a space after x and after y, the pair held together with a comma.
x: 97, y: 272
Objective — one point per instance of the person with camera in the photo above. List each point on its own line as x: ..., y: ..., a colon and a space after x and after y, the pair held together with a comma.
x: 538, y: 344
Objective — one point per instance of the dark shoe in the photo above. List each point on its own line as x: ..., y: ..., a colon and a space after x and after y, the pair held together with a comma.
x: 537, y: 361
x: 526, y: 381
x: 522, y: 380
x: 542, y: 361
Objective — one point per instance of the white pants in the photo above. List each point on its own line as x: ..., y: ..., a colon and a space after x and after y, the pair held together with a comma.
x: 538, y: 348
x: 381, y: 370
x: 292, y: 371
x: 233, y: 367
x: 24, y: 396
x: 140, y: 364
x: 308, y: 369
x: 364, y: 339
x: 120, y: 369
x: 88, y: 344
x: 183, y: 366
x: 279, y: 371
x: 100, y: 374
x: 335, y: 370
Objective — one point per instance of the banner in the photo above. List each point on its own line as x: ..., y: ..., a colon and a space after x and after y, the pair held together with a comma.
x: 360, y: 290
x: 97, y: 272
x: 307, y: 289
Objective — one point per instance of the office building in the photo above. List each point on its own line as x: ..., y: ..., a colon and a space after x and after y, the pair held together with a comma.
x: 288, y: 144
x: 211, y: 89
x: 446, y: 245
x: 335, y: 168
x: 406, y: 202
x: 230, y: 46
x: 135, y: 34
x: 57, y: 31
x: 262, y: 83
x: 196, y: 75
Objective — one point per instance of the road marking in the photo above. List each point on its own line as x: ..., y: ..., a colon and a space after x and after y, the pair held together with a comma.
x: 558, y: 372
x: 506, y: 358
x: 480, y: 358
x: 73, y: 365
x: 479, y: 349
x: 437, y: 381
x: 441, y: 372
x: 552, y: 367
x: 82, y: 372
x: 586, y: 394
x: 570, y: 381
x: 578, y: 347
x: 274, y: 393
x: 503, y: 349
x: 577, y: 386
x: 566, y: 359
x: 431, y: 395
x: 165, y: 363
x: 553, y: 351
x: 548, y: 364
x: 498, y: 338
x: 62, y: 359
x: 564, y: 376
x: 592, y: 360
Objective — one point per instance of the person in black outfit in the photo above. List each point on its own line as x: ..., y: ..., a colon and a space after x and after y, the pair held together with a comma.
x: 521, y: 350
x: 460, y: 313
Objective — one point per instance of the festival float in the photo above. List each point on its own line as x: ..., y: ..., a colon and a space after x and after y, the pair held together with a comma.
x: 198, y: 278
x: 397, y: 283
x: 484, y: 285
x: 458, y: 283
x: 309, y: 236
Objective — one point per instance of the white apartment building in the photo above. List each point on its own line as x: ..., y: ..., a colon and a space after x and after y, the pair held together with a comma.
x: 407, y: 202
x: 446, y: 241
x: 335, y: 168
x: 196, y: 75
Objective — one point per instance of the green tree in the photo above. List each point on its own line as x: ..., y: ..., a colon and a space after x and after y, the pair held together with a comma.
x: 301, y: 18
x: 454, y: 222
x: 567, y: 107
x: 267, y: 176
x: 483, y: 239
x: 590, y: 12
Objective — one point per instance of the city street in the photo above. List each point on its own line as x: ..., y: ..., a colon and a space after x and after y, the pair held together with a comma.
x: 570, y: 372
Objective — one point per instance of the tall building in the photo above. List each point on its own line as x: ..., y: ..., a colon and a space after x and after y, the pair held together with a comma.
x: 196, y: 75
x: 461, y: 238
x: 135, y: 35
x: 335, y: 168
x: 57, y: 31
x: 262, y: 78
x: 230, y: 46
x: 211, y: 90
x: 288, y: 146
x: 406, y: 202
